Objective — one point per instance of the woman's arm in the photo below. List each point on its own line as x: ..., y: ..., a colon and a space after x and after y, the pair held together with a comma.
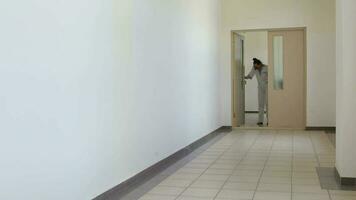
x: 251, y: 74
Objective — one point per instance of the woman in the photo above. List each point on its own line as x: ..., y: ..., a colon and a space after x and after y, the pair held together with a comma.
x: 260, y: 70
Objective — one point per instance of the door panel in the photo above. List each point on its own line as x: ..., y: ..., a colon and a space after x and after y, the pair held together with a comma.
x: 286, y: 88
x: 238, y: 87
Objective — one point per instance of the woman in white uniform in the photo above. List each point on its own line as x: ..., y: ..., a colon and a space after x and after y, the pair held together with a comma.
x: 261, y: 71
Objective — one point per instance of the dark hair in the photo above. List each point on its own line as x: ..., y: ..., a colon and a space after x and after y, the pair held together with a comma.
x: 256, y: 61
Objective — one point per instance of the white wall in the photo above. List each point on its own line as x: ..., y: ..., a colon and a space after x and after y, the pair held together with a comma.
x: 256, y: 46
x: 319, y: 18
x: 346, y: 82
x: 93, y: 92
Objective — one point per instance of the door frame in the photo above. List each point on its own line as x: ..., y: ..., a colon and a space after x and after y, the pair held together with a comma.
x: 305, y: 78
x: 234, y: 116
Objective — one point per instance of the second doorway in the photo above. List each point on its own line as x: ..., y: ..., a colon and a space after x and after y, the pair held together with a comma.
x: 282, y: 52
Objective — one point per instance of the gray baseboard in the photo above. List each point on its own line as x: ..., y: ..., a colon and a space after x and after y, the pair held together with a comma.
x: 125, y: 187
x: 327, y: 129
x: 330, y: 179
x: 345, y: 181
x: 253, y: 112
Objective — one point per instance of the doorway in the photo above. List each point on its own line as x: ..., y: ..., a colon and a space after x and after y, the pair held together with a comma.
x: 238, y: 82
x: 283, y: 51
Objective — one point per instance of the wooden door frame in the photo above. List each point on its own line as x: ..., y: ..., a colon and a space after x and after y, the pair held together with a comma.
x: 305, y: 88
x: 233, y: 65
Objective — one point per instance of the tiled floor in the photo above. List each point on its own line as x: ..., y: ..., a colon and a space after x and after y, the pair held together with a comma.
x: 332, y: 137
x: 251, y: 120
x: 254, y: 165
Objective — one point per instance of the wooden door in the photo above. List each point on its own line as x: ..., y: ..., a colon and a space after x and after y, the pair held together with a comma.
x: 286, y: 83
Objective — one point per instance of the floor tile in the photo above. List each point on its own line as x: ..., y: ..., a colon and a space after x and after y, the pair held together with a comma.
x: 342, y: 192
x: 269, y: 187
x: 197, y: 165
x: 285, y: 180
x: 272, y: 196
x: 200, y: 192
x: 157, y: 197
x: 235, y: 194
x: 343, y: 197
x: 223, y: 166
x: 164, y: 190
x: 247, y: 172
x: 276, y: 174
x: 213, y: 177
x: 207, y: 184
x: 193, y: 198
x: 240, y: 186
x: 186, y: 170
x: 246, y: 179
x: 306, y: 181
x: 219, y: 171
x: 305, y: 196
x: 308, y: 189
x: 305, y: 175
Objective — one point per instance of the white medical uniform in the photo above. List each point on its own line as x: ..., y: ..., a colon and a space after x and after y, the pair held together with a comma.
x: 262, y: 80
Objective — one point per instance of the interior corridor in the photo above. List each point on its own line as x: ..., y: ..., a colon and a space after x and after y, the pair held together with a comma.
x: 251, y: 164
x: 140, y: 99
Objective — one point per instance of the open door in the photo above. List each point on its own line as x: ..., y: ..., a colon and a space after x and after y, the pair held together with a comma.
x: 238, y: 81
x: 286, y: 85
